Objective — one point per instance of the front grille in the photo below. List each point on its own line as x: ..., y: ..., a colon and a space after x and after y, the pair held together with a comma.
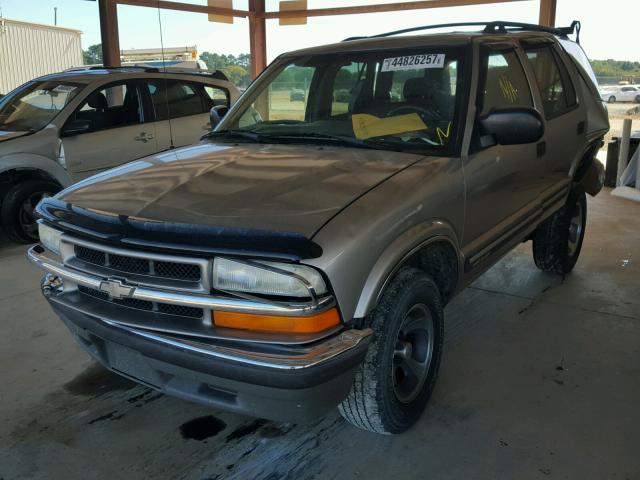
x: 166, y: 308
x: 139, y: 266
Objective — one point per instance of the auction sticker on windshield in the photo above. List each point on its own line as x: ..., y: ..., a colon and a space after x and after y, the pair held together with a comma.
x: 413, y: 62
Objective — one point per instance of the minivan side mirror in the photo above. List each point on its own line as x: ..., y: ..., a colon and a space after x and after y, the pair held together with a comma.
x: 76, y: 127
x: 510, y: 126
x: 216, y: 113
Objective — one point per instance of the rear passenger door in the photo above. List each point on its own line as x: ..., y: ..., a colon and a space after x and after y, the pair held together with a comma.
x: 503, y: 181
x: 181, y: 109
x: 565, y: 123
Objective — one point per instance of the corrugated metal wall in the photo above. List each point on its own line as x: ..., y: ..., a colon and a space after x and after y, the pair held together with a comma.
x: 28, y: 50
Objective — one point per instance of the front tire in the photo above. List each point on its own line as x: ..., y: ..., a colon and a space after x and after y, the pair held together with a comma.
x: 637, y: 98
x: 557, y: 241
x: 612, y: 99
x: 397, y: 377
x: 18, y: 218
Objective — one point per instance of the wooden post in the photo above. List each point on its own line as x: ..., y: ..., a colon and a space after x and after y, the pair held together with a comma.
x: 257, y: 37
x: 548, y: 13
x: 108, y: 10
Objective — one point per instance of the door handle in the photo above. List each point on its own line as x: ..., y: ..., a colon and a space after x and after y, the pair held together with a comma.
x: 143, y: 137
x: 541, y: 149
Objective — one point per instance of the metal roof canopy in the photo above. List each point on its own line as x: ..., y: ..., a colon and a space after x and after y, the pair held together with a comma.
x: 257, y: 16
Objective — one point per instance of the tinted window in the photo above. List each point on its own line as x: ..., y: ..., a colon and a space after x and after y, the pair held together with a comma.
x: 116, y: 105
x: 216, y: 96
x: 174, y: 98
x: 553, y: 81
x: 505, y: 84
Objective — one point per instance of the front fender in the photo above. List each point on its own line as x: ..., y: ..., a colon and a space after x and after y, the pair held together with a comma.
x: 396, y: 253
x: 30, y: 161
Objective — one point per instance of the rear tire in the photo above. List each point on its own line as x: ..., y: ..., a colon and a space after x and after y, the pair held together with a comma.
x: 18, y: 218
x: 612, y: 99
x: 397, y: 377
x: 557, y: 241
x: 637, y: 98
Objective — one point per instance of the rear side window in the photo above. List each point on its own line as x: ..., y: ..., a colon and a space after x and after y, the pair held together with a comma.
x: 216, y: 96
x: 504, y: 82
x: 174, y: 98
x: 556, y: 89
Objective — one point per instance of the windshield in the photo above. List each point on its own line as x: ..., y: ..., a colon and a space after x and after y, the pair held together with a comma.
x: 397, y: 100
x: 34, y: 106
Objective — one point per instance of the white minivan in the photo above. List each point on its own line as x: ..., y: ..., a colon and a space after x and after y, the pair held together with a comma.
x: 63, y: 127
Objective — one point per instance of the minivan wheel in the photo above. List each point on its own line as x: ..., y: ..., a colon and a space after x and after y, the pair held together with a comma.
x: 637, y: 98
x: 394, y: 383
x: 18, y: 216
x: 612, y: 99
x: 557, y: 242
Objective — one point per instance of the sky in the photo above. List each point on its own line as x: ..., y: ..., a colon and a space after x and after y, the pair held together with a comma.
x: 606, y: 31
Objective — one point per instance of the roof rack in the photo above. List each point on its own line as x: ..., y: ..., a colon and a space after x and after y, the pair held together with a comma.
x: 217, y: 74
x: 490, y: 27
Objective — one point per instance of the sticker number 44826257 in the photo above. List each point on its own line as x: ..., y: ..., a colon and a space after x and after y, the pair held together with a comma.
x: 413, y: 62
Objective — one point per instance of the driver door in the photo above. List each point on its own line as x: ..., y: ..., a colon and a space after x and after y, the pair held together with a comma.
x: 503, y: 181
x: 116, y: 132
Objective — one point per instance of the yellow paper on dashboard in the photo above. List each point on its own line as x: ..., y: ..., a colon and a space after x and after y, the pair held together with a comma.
x: 369, y: 126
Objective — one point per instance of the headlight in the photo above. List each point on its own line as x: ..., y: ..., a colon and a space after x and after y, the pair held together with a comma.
x: 49, y: 238
x: 243, y: 277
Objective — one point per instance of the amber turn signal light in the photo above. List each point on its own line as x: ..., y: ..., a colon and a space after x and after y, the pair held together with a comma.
x: 276, y: 323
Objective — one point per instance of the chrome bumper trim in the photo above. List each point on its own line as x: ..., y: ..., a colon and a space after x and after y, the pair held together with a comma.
x: 230, y: 304
x: 305, y: 358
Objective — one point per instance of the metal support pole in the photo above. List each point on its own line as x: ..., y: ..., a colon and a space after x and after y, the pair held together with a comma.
x: 625, y: 140
x: 257, y: 37
x: 108, y: 10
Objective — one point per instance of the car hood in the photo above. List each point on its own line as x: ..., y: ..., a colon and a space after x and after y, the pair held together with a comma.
x: 284, y: 188
x: 8, y: 135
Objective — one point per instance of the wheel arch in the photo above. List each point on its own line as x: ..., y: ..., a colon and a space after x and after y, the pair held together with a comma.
x: 588, y: 171
x: 17, y: 167
x: 435, y: 251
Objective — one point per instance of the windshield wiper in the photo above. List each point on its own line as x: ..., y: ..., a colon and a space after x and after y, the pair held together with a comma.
x: 320, y: 137
x: 347, y: 141
x: 244, y: 134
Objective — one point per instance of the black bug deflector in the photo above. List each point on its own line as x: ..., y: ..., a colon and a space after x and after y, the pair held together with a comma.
x: 147, y: 234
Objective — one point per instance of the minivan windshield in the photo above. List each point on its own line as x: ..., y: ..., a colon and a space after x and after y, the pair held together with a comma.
x: 396, y: 100
x: 35, y: 105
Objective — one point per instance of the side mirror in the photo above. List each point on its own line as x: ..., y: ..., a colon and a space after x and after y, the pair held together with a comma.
x: 511, y: 126
x: 76, y: 127
x: 216, y: 113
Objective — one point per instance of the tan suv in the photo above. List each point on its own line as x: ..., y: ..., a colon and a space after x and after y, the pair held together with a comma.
x: 301, y: 256
x: 61, y: 128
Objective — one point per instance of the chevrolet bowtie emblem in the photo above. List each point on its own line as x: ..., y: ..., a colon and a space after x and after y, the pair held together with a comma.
x: 116, y: 289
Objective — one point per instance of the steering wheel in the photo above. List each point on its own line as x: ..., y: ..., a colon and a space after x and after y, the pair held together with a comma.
x: 429, y: 113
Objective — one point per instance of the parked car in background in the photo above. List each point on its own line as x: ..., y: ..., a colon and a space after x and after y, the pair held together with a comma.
x: 297, y: 95
x: 300, y: 259
x: 620, y: 93
x: 61, y: 128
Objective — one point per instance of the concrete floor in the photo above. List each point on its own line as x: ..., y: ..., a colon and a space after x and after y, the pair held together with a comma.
x: 540, y: 379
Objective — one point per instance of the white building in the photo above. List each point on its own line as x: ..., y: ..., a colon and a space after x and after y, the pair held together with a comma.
x: 29, y: 50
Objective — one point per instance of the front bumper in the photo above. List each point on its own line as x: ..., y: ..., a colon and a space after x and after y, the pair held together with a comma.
x: 281, y: 382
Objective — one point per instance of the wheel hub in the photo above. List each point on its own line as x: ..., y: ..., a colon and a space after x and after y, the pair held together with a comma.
x: 413, y: 353
x: 575, y: 229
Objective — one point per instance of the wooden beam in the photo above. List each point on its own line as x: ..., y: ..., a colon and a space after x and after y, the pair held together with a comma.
x: 548, y: 13
x: 185, y: 7
x: 257, y: 37
x: 108, y: 11
x: 389, y: 7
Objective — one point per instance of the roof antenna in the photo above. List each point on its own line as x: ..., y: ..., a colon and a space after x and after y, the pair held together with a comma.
x: 166, y: 83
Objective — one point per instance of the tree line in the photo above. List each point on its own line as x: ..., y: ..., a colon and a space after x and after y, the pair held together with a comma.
x: 235, y: 67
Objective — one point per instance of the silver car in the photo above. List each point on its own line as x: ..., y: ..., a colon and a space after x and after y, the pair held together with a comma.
x: 301, y: 256
x: 61, y: 128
